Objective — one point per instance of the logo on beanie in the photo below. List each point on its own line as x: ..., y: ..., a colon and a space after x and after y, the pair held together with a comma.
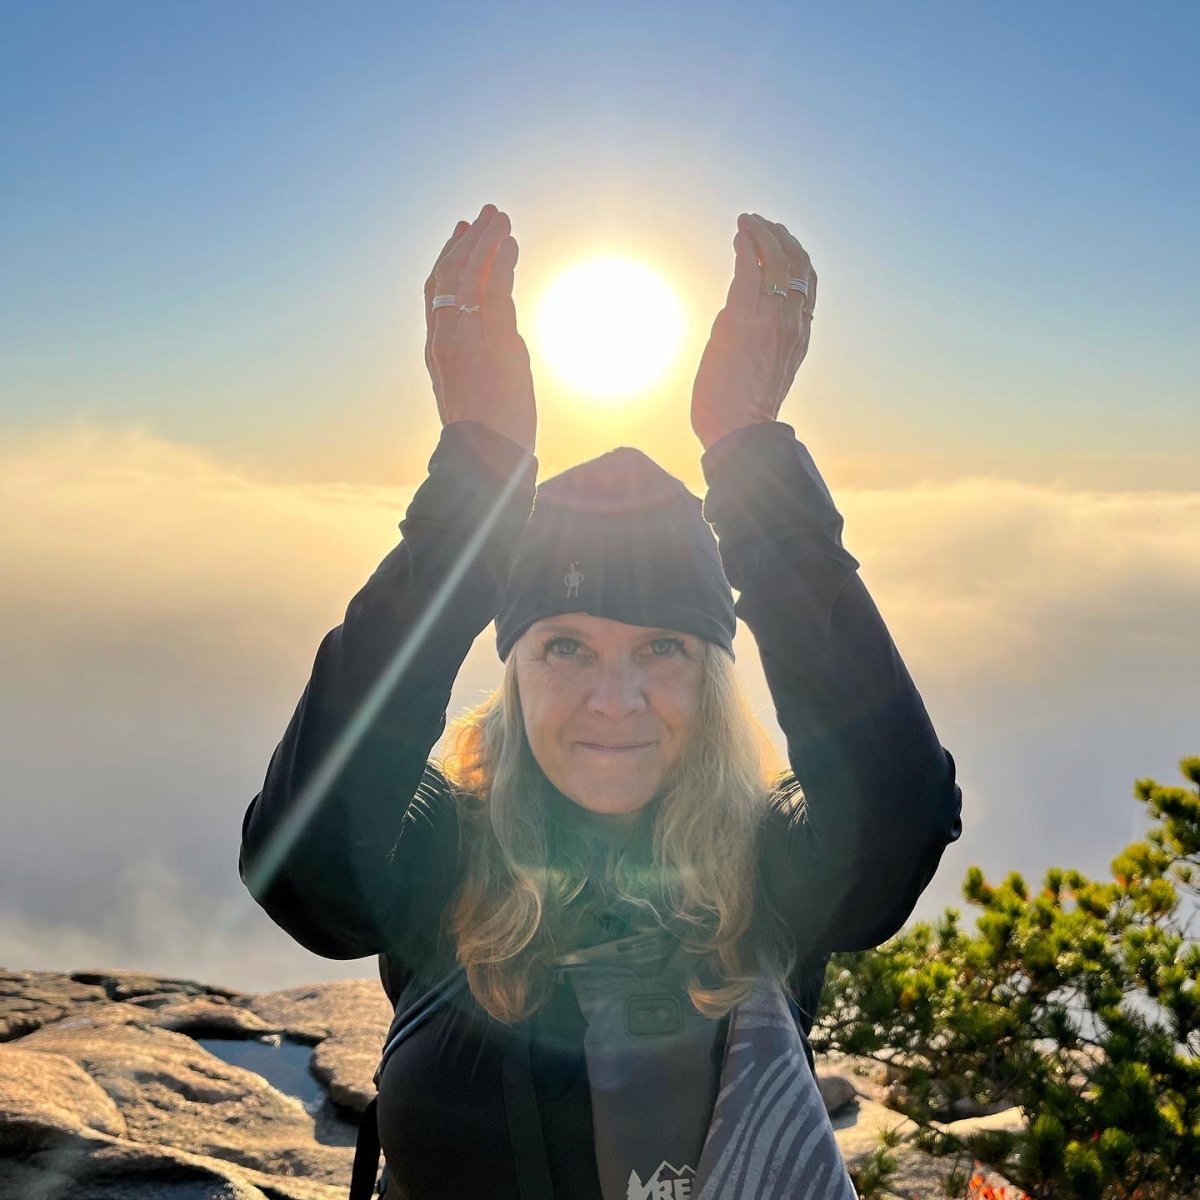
x: 573, y: 578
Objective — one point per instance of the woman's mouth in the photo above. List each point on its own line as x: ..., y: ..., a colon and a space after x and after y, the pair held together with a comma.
x: 617, y: 749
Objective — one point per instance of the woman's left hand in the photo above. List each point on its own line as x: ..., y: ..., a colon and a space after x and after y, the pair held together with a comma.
x: 758, y: 340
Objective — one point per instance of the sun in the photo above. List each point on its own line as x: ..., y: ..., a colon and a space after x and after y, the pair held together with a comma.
x: 609, y: 327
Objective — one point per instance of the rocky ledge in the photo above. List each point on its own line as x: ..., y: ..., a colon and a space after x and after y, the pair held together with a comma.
x: 121, y: 1085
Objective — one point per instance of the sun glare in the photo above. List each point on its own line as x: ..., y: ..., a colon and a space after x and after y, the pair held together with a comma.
x: 609, y: 327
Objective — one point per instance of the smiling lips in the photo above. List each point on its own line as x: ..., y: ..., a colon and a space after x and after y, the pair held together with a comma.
x: 616, y: 749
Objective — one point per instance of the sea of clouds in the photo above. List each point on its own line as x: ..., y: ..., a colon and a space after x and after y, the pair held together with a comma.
x: 161, y: 608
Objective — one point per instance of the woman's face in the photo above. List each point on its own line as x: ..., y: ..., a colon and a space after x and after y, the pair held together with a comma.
x: 587, y: 685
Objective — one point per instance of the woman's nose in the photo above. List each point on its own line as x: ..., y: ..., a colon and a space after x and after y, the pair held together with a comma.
x: 616, y: 691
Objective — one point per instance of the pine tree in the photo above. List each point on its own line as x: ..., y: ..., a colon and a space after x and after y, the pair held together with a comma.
x: 1078, y: 1003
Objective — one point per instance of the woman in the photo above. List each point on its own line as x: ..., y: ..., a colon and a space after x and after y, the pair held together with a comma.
x: 594, y: 913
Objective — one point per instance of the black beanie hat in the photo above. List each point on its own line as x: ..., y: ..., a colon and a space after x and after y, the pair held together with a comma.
x: 618, y: 537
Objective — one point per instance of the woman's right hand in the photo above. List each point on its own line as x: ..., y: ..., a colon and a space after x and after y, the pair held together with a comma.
x: 478, y: 361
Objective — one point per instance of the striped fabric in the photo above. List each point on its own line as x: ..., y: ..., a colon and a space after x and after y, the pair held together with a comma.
x: 770, y: 1137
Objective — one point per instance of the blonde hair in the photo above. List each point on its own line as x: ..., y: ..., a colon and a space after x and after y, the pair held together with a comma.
x: 534, y: 878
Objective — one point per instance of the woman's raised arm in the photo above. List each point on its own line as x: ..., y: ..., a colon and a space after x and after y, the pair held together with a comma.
x: 351, y: 810
x: 881, y: 801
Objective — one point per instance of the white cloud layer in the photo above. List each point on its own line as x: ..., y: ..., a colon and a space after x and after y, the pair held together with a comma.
x: 161, y: 610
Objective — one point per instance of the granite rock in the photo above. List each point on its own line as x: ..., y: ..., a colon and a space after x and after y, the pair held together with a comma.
x: 172, y: 1092
x: 837, y: 1091
x: 30, y: 999
x: 106, y: 1091
x: 46, y: 1094
x: 100, y: 1167
x: 206, y: 1017
x: 857, y: 1129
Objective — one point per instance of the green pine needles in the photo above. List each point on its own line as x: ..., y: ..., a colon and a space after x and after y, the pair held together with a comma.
x: 1077, y: 1003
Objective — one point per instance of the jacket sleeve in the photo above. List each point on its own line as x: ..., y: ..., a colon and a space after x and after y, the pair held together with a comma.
x: 353, y: 821
x: 844, y: 869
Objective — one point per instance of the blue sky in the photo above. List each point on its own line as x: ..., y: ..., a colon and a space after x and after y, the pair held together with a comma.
x: 218, y: 217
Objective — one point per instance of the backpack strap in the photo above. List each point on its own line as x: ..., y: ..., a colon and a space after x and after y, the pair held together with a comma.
x: 524, y: 1124
x: 406, y: 1022
x: 366, y: 1153
x: 520, y: 1099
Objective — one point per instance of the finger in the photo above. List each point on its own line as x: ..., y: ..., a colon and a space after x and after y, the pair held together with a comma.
x: 459, y: 254
x: 459, y: 229
x: 430, y: 291
x: 431, y: 282
x: 804, y: 303
x: 474, y: 272
x: 446, y: 273
x: 744, y: 289
x: 801, y: 268
x: 470, y: 330
x: 770, y: 254
x: 499, y: 311
x: 798, y: 268
x: 797, y: 257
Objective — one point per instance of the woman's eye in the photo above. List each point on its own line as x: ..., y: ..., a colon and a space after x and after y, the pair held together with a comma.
x: 675, y: 643
x: 568, y: 647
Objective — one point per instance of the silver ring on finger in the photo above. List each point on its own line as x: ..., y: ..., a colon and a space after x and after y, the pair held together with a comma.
x: 798, y: 285
x: 776, y: 290
x: 469, y: 308
x: 444, y: 301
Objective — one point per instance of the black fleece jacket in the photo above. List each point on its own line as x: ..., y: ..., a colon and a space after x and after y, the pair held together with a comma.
x: 352, y: 846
